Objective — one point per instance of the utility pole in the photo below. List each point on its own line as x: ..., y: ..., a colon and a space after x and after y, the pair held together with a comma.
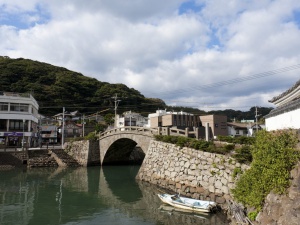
x: 256, y: 115
x: 116, y: 106
x: 63, y: 129
x: 83, y: 126
x: 23, y: 135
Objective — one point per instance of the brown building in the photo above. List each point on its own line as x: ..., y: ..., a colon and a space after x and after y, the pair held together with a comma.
x: 217, y: 124
x: 178, y: 120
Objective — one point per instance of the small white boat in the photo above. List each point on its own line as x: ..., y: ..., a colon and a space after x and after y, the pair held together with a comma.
x: 190, y: 204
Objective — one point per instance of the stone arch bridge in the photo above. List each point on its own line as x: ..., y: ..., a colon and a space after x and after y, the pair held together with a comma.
x: 139, y: 137
x: 136, y: 137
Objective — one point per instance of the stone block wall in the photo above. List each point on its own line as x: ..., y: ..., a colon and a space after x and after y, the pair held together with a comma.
x: 85, y: 152
x: 192, y: 173
x: 40, y: 158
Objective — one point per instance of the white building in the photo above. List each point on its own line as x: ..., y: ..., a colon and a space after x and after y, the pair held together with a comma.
x: 131, y: 119
x: 287, y: 111
x: 18, y: 119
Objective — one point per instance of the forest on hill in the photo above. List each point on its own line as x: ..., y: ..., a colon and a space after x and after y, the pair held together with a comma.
x: 57, y: 87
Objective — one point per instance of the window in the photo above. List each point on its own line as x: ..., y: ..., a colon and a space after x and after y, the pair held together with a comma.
x: 3, y: 106
x: 2, y: 124
x: 19, y: 107
x: 17, y: 125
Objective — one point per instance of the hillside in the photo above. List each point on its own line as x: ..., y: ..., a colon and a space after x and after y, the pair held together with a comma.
x: 56, y: 87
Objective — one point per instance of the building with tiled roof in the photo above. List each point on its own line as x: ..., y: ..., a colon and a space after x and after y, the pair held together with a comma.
x: 287, y: 111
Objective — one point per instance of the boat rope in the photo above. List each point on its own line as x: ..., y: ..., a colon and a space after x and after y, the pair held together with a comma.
x: 237, y: 211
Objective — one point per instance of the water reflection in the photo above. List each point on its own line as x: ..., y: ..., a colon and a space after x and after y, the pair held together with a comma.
x: 121, y: 181
x: 86, y: 196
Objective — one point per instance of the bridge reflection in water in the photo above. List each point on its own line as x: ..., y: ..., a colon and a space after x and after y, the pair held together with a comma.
x: 108, y: 195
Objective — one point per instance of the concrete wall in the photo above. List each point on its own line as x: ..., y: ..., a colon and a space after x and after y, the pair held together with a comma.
x: 191, y: 172
x: 85, y: 152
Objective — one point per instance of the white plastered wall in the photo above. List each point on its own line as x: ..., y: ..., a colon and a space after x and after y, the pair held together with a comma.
x: 287, y: 120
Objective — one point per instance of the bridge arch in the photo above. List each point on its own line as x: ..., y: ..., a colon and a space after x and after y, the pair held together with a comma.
x: 140, y: 137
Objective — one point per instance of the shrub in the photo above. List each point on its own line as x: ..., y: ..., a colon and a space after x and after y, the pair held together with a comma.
x: 158, y: 137
x: 236, y: 172
x: 228, y: 139
x: 252, y: 215
x: 181, y: 141
x: 192, y: 143
x: 274, y: 155
x: 91, y: 136
x: 229, y: 147
x: 243, y: 154
x: 243, y: 140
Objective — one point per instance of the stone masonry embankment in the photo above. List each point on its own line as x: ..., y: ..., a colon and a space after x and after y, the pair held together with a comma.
x: 192, y: 173
x: 85, y: 152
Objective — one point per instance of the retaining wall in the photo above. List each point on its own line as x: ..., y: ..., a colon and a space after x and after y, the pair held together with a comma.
x: 85, y: 152
x: 192, y: 173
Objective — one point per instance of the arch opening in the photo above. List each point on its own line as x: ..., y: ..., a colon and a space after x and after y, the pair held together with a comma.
x: 124, y: 151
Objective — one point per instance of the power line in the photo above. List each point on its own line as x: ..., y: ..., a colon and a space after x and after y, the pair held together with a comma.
x: 231, y: 81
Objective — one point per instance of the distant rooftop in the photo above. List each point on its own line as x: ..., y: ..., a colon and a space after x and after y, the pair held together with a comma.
x: 14, y: 94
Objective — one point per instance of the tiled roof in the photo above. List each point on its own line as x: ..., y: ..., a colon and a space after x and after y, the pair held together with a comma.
x: 286, y: 92
x: 291, y: 106
x: 238, y: 125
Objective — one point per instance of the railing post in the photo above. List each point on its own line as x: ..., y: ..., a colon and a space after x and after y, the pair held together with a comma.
x: 197, y: 133
x: 187, y: 132
x: 168, y: 131
x: 207, y: 132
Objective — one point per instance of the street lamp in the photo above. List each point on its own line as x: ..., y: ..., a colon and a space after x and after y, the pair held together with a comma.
x: 116, y: 106
x: 130, y: 116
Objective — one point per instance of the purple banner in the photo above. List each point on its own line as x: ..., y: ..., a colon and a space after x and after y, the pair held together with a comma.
x: 14, y: 134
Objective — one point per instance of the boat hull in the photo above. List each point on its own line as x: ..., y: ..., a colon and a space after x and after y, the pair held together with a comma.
x: 189, y: 204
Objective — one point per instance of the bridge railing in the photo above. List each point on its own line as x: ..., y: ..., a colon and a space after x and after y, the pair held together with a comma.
x: 179, y: 132
x: 153, y: 131
x: 134, y: 129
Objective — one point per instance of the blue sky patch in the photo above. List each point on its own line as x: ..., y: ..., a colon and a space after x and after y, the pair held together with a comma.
x: 23, y: 20
x: 297, y: 18
x: 214, y: 40
x: 189, y: 6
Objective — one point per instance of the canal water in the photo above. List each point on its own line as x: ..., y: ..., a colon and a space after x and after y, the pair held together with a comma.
x: 87, y: 196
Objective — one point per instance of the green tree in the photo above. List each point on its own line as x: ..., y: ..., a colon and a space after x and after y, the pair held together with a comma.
x: 109, y: 119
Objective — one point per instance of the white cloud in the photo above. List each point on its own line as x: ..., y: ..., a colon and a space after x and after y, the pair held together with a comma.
x: 147, y: 45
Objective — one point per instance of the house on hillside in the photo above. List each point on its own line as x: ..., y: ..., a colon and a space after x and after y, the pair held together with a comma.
x: 71, y: 127
x: 48, y: 132
x: 130, y: 118
x: 68, y: 116
x: 287, y: 111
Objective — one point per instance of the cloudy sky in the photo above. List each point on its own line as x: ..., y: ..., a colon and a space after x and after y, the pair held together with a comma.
x: 208, y: 54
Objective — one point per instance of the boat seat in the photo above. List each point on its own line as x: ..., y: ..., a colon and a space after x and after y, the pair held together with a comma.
x: 196, y: 204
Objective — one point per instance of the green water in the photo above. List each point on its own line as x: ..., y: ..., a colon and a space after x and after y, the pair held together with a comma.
x: 86, y: 196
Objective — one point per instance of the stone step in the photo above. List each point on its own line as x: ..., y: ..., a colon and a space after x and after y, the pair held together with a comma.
x: 65, y: 158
